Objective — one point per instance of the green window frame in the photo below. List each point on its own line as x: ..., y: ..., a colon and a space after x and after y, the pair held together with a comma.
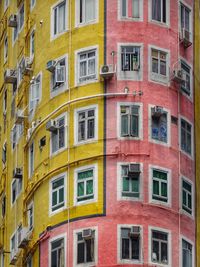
x: 160, y: 185
x: 85, y: 185
x: 129, y: 121
x: 186, y: 196
x: 57, y: 193
x: 130, y: 183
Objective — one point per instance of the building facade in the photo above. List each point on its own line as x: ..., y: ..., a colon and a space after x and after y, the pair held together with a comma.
x: 97, y: 133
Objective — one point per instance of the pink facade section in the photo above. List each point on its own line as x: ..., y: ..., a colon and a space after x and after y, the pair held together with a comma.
x: 144, y: 212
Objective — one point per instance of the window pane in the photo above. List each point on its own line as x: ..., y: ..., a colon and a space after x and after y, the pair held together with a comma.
x: 89, y: 10
x: 135, y: 248
x: 123, y: 8
x: 156, y: 10
x: 125, y: 248
x: 91, y: 128
x: 155, y: 187
x: 124, y: 125
x: 90, y: 250
x: 135, y: 8
x: 80, y: 189
x: 54, y: 198
x: 89, y: 187
x: 125, y: 184
x: 155, y: 254
x: 164, y: 189
x: 164, y: 253
x: 154, y: 65
x: 80, y: 253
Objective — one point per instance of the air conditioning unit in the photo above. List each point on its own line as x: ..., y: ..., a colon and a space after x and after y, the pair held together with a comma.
x: 186, y: 38
x: 107, y: 71
x: 12, y: 21
x: 51, y: 65
x: 177, y: 76
x: 27, y: 66
x: 13, y: 257
x: 10, y: 76
x: 17, y: 173
x: 19, y: 117
x: 135, y: 231
x: 87, y: 233
x: 51, y: 126
x: 134, y: 171
x: 157, y: 111
x: 24, y: 238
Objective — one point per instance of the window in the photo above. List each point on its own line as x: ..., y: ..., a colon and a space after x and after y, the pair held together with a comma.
x: 30, y: 262
x: 59, y: 19
x: 57, y: 193
x: 86, y: 247
x: 21, y: 17
x: 131, y: 9
x: 186, y: 137
x: 13, y: 246
x: 130, y: 181
x: 87, y: 66
x: 58, y: 137
x: 185, y: 17
x: 6, y: 4
x: 187, y: 196
x: 30, y: 216
x: 14, y: 190
x: 5, y: 49
x: 130, y: 120
x: 159, y: 125
x: 59, y: 77
x: 86, y: 11
x: 86, y: 125
x: 58, y: 257
x: 159, y: 11
x: 130, y: 243
x: 129, y: 63
x: 159, y: 66
x: 85, y: 184
x: 32, y: 44
x: 4, y: 153
x: 187, y: 254
x: 159, y: 247
x: 35, y: 93
x: 3, y: 206
x: 5, y: 97
x: 31, y: 159
x: 32, y: 4
x: 20, y: 74
x: 16, y: 133
x: 160, y: 185
x: 186, y: 84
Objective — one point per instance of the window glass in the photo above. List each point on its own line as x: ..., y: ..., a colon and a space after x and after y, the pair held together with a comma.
x: 160, y: 185
x: 57, y: 253
x: 59, y: 15
x: 159, y: 10
x: 186, y: 254
x: 130, y: 243
x: 187, y: 196
x: 186, y: 136
x: 159, y: 247
x: 129, y: 116
x: 130, y: 181
x: 58, y: 136
x: 87, y: 66
x: 85, y: 247
x: 86, y: 125
x: 85, y: 185
x: 159, y: 129
x: 57, y: 192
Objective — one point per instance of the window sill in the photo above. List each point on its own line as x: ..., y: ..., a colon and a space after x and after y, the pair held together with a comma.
x: 157, y: 264
x: 135, y: 199
x: 159, y: 23
x: 130, y: 75
x: 57, y: 152
x: 54, y: 37
x: 159, y: 79
x: 90, y: 141
x: 52, y: 213
x: 160, y: 203
x: 124, y: 138
x: 187, y: 154
x: 166, y: 144
x: 87, y: 82
x: 85, y: 202
x: 126, y: 261
x: 58, y: 90
x: 123, y: 19
x: 87, y: 264
x: 80, y: 25
x: 191, y: 216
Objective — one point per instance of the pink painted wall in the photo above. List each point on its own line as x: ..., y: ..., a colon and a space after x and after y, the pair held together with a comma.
x: 143, y: 151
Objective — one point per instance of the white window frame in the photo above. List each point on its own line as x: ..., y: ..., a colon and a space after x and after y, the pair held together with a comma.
x: 6, y: 4
x: 29, y: 207
x: 55, y: 238
x: 53, y: 35
x: 192, y: 137
x: 65, y: 135
x: 84, y: 23
x: 5, y: 49
x: 77, y: 65
x: 35, y: 100
x: 16, y: 243
x: 32, y: 4
x: 32, y: 43
x: 183, y: 211
x: 75, y: 244
x: 169, y: 245
x: 168, y: 143
x: 160, y: 23
x: 188, y: 65
x: 95, y: 184
x: 19, y: 18
x: 18, y: 190
x: 128, y: 17
x: 140, y: 128
x: 64, y: 86
x: 189, y: 7
x: 169, y: 185
x: 182, y: 237
x: 130, y: 75
x: 90, y: 140
x: 120, y: 182
x: 55, y: 178
x: 31, y: 160
x: 119, y: 247
x: 156, y: 77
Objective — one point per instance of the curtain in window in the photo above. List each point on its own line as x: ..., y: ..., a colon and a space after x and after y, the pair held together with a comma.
x: 90, y: 10
x: 135, y: 8
x: 156, y: 10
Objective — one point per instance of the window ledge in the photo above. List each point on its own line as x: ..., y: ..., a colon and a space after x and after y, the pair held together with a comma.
x: 57, y: 152
x: 80, y: 25
x: 187, y: 154
x: 54, y: 37
x: 126, y: 261
x: 87, y: 82
x: 58, y: 90
x: 123, y: 19
x: 159, y: 142
x: 85, y: 202
x: 191, y: 216
x: 159, y: 23
x: 90, y: 141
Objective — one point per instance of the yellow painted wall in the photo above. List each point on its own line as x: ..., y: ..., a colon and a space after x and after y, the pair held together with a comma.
x: 46, y: 166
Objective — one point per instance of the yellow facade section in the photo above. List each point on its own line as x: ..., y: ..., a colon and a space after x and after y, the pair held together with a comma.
x: 197, y: 122
x: 36, y: 187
